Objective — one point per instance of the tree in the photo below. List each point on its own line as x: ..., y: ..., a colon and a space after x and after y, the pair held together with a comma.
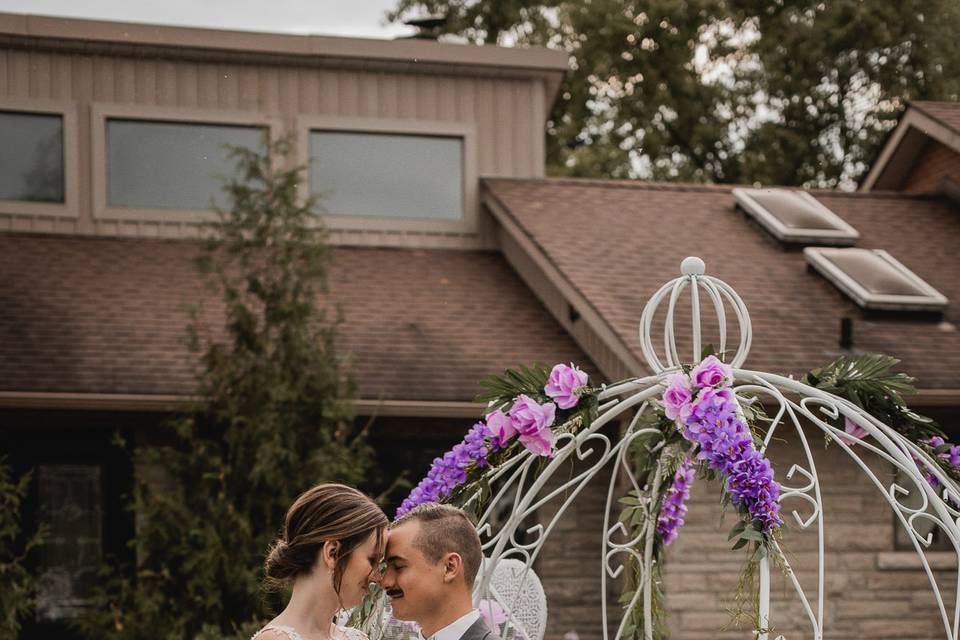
x: 274, y: 418
x: 16, y: 581
x: 737, y: 91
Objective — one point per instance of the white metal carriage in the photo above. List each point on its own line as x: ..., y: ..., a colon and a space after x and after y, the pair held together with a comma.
x: 800, y: 409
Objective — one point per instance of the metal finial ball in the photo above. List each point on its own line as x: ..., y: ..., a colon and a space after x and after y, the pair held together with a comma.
x: 693, y: 266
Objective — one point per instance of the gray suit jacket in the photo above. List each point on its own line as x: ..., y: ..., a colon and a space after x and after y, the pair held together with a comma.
x: 478, y: 631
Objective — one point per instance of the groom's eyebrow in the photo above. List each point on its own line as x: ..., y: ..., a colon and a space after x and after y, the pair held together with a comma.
x: 394, y: 558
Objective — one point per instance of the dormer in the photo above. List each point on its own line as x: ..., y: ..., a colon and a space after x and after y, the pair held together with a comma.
x: 395, y: 134
x: 922, y: 155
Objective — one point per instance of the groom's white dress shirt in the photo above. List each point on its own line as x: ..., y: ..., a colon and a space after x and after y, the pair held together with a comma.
x: 455, y: 629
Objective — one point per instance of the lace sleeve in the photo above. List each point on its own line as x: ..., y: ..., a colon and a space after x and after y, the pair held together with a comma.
x: 289, y: 632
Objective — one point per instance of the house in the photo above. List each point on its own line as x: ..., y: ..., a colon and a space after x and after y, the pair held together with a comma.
x: 454, y: 257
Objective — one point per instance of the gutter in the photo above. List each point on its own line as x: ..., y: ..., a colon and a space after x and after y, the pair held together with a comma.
x: 107, y: 33
x: 172, y: 403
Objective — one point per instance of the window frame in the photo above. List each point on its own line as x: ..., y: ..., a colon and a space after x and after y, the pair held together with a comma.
x: 70, y: 207
x: 422, y: 128
x: 933, y: 300
x: 102, y: 112
x: 843, y: 234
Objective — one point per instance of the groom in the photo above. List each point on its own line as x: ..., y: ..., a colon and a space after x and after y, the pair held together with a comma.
x: 433, y: 556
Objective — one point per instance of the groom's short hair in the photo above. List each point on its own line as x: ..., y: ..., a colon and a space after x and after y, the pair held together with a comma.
x: 445, y: 529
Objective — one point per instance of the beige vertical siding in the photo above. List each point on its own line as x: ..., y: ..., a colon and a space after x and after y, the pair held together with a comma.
x: 507, y: 112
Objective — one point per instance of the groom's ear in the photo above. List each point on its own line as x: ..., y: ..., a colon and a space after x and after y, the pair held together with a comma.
x: 452, y: 567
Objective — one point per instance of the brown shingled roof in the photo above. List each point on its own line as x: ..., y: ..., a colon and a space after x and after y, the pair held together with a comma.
x: 617, y: 242
x: 948, y: 113
x: 98, y: 315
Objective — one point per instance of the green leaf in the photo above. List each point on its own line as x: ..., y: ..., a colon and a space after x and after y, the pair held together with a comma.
x: 752, y: 534
x: 736, y: 530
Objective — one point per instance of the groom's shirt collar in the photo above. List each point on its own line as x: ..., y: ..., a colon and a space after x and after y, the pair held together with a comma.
x: 456, y: 629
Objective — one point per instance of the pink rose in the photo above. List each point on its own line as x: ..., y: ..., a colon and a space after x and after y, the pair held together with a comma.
x: 501, y: 427
x: 563, y: 384
x: 676, y: 399
x: 854, y: 432
x: 711, y: 372
x: 532, y: 421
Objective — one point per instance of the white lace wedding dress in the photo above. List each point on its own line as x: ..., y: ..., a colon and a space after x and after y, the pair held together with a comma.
x: 344, y: 633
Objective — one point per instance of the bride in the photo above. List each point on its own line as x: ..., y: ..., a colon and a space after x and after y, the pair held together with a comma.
x: 332, y: 543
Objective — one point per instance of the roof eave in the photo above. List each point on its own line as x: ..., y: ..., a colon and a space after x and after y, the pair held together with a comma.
x: 534, y: 59
x: 589, y: 329
x: 169, y: 403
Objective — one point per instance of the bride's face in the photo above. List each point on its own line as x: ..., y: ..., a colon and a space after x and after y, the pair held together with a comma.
x: 363, y: 567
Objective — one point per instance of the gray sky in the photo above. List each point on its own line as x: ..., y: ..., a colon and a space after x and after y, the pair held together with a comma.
x: 360, y: 18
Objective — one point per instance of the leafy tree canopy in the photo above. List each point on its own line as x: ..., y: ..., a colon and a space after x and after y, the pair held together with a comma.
x: 792, y: 92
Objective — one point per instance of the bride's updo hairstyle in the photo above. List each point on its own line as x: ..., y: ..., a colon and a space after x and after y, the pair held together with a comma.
x: 333, y: 512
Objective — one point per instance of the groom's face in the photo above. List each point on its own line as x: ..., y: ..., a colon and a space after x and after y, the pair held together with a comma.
x: 413, y: 583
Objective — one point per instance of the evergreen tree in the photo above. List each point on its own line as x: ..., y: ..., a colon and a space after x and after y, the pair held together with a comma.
x: 16, y: 582
x: 274, y: 419
x: 738, y: 91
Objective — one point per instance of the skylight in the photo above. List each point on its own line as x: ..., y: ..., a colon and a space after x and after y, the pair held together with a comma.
x: 795, y: 217
x: 874, y: 279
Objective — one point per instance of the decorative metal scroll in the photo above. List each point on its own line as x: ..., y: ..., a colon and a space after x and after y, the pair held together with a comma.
x: 798, y: 411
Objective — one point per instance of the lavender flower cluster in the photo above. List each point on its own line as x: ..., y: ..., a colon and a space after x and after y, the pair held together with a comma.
x: 527, y: 420
x: 450, y: 470
x: 675, y: 502
x: 704, y: 407
x: 853, y: 433
x: 951, y: 457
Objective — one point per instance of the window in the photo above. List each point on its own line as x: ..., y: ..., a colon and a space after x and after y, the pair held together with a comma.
x: 70, y: 507
x: 171, y: 165
x: 795, y: 216
x: 874, y: 279
x: 388, y: 175
x: 31, y: 157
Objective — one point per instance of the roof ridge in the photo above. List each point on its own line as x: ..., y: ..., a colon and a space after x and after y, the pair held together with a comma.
x: 621, y: 183
x: 952, y: 103
x: 650, y: 185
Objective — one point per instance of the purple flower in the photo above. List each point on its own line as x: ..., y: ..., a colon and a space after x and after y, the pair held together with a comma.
x: 954, y: 456
x: 677, y: 397
x: 532, y: 421
x: 721, y: 438
x: 501, y: 428
x: 563, y: 385
x: 951, y: 456
x: 476, y: 443
x: 451, y: 470
x: 712, y: 400
x: 710, y: 373
x: 855, y: 432
x: 674, y: 505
